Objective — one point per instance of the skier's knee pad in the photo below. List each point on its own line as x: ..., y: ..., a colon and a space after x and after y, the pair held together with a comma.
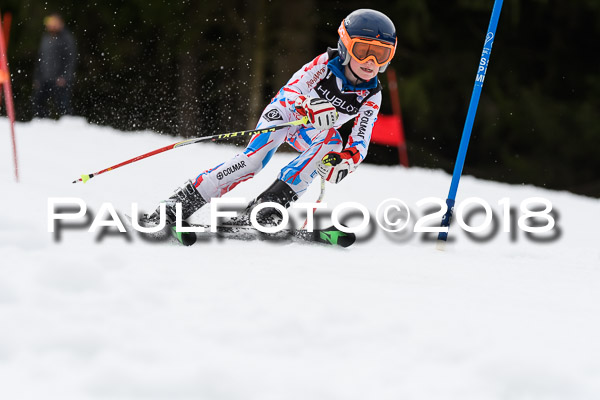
x: 337, y: 147
x: 333, y: 141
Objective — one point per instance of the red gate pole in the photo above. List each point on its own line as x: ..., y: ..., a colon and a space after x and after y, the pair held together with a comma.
x: 6, y: 21
x: 395, y: 98
x: 8, y: 99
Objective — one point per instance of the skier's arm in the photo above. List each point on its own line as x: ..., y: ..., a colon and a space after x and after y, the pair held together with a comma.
x: 363, y: 126
x: 305, y: 79
x: 336, y: 166
x: 320, y: 112
x: 295, y: 95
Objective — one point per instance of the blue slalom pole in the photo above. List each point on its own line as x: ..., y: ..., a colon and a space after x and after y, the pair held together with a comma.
x: 466, y: 135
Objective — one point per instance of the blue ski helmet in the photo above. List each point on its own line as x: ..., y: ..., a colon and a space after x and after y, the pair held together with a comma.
x: 372, y: 26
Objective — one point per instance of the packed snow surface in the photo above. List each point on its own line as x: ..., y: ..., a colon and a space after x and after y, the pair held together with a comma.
x: 106, y: 317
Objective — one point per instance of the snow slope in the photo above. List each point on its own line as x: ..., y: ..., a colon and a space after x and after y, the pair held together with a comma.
x: 385, y: 319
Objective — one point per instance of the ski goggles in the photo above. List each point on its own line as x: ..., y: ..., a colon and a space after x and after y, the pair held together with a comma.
x: 363, y: 50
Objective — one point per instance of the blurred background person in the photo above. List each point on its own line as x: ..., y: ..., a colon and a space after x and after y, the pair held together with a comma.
x: 55, y: 69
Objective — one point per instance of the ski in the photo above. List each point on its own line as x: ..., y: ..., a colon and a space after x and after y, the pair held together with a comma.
x: 330, y: 236
x: 168, y: 232
x: 185, y: 238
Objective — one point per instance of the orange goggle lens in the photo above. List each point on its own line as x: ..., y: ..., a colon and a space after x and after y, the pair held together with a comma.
x: 364, y: 50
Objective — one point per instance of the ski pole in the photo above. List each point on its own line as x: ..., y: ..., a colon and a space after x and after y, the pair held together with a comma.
x: 213, y: 138
x: 320, y: 199
x: 468, y: 127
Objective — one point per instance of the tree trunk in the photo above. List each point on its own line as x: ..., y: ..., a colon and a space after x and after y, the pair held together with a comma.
x: 258, y: 63
x: 187, y: 121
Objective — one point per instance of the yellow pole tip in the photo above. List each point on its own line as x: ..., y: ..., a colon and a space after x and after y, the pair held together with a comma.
x: 85, y: 178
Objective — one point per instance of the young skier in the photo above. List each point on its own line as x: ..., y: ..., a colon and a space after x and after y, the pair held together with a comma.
x: 332, y: 89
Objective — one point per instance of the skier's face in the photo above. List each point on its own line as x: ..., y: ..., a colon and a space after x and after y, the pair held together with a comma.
x: 366, y: 71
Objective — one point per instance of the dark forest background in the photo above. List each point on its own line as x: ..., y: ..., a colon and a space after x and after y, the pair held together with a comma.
x: 195, y: 68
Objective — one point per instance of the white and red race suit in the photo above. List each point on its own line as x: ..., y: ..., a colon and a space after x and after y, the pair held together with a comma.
x: 323, y: 77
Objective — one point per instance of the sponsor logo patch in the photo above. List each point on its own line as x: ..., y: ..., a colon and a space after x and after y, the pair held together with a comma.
x: 230, y: 170
x: 340, y: 104
x: 372, y: 105
x: 273, y: 115
x: 362, y: 128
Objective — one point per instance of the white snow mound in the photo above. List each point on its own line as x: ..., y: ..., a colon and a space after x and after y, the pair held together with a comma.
x: 389, y: 318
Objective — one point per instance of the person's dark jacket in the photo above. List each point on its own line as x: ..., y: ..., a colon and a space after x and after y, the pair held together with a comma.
x: 57, y: 56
